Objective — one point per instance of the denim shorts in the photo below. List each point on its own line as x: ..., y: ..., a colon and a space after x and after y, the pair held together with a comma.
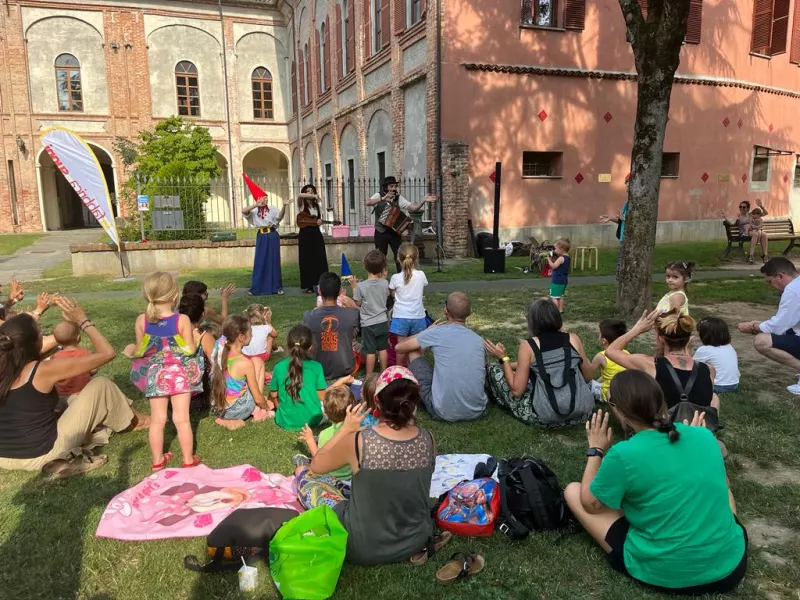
x: 721, y: 389
x: 408, y: 327
x: 242, y: 408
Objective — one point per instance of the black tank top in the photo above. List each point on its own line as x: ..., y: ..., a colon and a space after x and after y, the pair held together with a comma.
x: 702, y: 391
x: 28, y: 421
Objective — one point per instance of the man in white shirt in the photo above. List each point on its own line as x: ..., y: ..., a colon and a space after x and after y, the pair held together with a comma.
x: 779, y: 338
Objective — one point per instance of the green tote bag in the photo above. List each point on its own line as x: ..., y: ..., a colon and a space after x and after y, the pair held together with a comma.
x: 306, y: 555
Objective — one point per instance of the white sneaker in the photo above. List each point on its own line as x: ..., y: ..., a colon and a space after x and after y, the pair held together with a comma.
x: 795, y: 389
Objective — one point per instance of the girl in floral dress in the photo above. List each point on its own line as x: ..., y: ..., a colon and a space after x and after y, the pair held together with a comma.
x: 166, y: 366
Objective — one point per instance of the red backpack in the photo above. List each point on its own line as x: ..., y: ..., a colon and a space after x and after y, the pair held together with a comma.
x: 470, y: 508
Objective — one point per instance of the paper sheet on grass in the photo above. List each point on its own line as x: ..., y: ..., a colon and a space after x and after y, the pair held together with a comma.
x: 452, y: 469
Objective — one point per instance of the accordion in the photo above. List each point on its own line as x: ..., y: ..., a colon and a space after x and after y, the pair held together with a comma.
x: 395, y: 219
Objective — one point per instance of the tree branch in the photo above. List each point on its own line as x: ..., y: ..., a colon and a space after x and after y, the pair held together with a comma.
x: 634, y: 21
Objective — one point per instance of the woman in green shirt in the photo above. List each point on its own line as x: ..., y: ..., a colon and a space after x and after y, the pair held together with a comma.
x: 658, y: 503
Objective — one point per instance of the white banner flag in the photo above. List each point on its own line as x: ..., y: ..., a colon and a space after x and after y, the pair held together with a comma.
x: 76, y: 161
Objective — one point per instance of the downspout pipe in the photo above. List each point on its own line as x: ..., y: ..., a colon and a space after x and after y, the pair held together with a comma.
x: 234, y: 214
x: 439, y: 184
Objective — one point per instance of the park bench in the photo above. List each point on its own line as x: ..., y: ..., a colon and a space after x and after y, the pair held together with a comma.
x: 776, y: 230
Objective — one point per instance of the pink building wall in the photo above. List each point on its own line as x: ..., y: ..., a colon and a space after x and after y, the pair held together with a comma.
x: 497, y: 114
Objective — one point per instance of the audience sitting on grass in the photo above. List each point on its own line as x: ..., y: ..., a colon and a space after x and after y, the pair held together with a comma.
x: 199, y: 288
x: 33, y: 436
x: 778, y: 339
x: 673, y: 365
x: 659, y: 503
x: 334, y: 329
x: 610, y: 330
x: 718, y: 352
x: 514, y: 384
x: 388, y: 515
x: 453, y: 388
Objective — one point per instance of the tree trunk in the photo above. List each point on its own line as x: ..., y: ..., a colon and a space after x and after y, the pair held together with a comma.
x: 656, y: 39
x: 634, y: 290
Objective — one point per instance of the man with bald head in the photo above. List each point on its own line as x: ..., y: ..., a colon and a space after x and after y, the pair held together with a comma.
x: 453, y: 388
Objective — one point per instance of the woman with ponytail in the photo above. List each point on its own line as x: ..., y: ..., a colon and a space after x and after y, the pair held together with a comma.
x: 298, y: 383
x: 237, y: 382
x: 673, y: 360
x: 33, y: 436
x: 388, y: 516
x: 658, y: 503
x: 408, y: 289
x: 166, y: 366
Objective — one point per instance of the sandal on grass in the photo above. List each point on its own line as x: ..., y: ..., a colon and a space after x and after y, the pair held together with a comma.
x: 164, y: 462
x: 196, y: 460
x: 439, y: 542
x: 74, y: 465
x: 460, y: 566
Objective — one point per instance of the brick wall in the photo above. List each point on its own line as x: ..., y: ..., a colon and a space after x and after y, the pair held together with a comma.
x: 455, y: 207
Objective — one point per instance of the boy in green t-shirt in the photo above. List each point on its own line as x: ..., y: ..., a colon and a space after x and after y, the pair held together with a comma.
x: 335, y: 403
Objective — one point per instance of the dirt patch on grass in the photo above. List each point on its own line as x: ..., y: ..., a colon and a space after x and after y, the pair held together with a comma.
x: 766, y: 535
x: 774, y: 561
x: 776, y: 474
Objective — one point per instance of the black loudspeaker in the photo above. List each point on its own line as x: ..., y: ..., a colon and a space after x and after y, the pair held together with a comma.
x: 494, y: 261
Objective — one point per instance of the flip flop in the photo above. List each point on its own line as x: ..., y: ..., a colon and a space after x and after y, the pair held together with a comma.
x: 76, y: 465
x: 196, y: 460
x: 460, y: 566
x: 439, y: 542
x: 164, y: 462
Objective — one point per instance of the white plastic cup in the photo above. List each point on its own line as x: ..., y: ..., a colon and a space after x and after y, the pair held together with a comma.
x: 248, y: 578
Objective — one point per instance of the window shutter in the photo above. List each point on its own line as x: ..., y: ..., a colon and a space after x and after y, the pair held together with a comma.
x: 385, y: 24
x: 695, y: 25
x: 301, y: 66
x: 526, y: 18
x: 780, y: 27
x: 399, y: 16
x: 368, y: 51
x: 294, y: 87
x: 327, y: 57
x: 643, y: 4
x: 317, y: 61
x: 351, y: 36
x: 338, y: 24
x: 795, y: 54
x: 762, y: 26
x: 575, y: 14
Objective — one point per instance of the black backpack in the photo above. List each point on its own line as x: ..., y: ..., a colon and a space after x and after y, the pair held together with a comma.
x: 530, y: 498
x: 685, y: 409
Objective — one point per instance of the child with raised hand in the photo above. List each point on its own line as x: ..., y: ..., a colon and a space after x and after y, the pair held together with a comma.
x: 237, y: 382
x: 678, y: 275
x: 370, y: 296
x: 298, y: 383
x: 263, y: 333
x: 718, y: 352
x: 166, y: 366
x: 610, y: 330
x: 408, y: 289
x: 201, y: 289
x: 559, y: 266
x: 335, y: 402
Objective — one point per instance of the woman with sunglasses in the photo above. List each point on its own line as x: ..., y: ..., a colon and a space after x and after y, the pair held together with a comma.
x: 658, y: 503
x: 747, y: 230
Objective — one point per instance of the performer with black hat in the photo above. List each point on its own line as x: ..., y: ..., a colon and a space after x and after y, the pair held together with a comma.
x: 391, y: 216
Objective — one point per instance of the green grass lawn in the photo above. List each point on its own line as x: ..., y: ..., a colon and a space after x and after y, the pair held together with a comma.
x: 704, y: 254
x: 12, y: 242
x: 48, y: 548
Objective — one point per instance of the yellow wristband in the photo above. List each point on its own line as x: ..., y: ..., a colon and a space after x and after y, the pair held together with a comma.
x: 506, y: 359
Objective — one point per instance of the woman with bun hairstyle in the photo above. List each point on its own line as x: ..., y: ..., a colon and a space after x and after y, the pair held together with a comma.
x: 658, y: 503
x: 673, y: 331
x: 388, y: 516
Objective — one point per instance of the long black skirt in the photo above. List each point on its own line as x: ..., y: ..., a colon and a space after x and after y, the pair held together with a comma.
x: 313, y: 259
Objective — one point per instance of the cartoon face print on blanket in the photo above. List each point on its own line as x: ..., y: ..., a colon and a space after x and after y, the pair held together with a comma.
x: 178, y: 503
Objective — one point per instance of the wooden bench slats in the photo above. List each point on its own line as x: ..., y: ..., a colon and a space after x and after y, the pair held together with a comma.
x: 776, y: 230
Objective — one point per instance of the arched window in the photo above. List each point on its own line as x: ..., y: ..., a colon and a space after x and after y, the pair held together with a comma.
x: 306, y: 76
x: 68, y: 83
x: 188, y: 89
x: 262, y: 93
x: 323, y: 52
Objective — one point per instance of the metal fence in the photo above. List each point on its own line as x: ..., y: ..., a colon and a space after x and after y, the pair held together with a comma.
x: 184, y: 208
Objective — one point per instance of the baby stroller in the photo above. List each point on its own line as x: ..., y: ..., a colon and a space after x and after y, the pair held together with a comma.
x: 538, y: 257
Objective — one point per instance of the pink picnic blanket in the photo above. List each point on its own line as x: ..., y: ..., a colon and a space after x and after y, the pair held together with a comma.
x: 180, y: 503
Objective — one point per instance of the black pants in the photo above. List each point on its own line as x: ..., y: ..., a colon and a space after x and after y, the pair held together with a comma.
x: 389, y: 239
